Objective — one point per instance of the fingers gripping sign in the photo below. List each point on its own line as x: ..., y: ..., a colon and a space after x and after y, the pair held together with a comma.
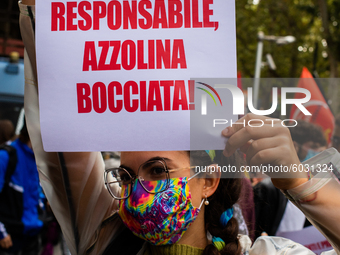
x: 265, y: 142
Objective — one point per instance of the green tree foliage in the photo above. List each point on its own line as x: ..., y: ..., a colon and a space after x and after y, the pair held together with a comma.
x: 314, y: 24
x: 299, y: 18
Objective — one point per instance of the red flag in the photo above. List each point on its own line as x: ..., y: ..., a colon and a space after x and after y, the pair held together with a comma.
x: 239, y: 80
x: 317, y: 106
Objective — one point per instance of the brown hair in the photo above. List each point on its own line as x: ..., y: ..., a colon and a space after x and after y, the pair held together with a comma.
x: 226, y: 195
x: 6, y: 131
x: 305, y: 132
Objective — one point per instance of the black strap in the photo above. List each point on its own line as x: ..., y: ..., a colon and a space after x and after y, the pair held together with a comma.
x: 12, y: 162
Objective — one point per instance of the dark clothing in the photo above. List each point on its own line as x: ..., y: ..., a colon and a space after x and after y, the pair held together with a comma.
x: 270, y: 205
x: 19, y: 210
x: 23, y: 245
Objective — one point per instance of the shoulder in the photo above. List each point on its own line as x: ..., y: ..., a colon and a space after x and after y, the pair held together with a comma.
x: 3, y: 154
x: 22, y: 149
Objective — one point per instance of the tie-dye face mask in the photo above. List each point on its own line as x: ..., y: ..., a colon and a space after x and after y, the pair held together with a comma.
x: 160, y: 218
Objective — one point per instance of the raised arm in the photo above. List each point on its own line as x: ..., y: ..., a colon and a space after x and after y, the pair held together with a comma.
x: 319, y: 197
x: 73, y: 182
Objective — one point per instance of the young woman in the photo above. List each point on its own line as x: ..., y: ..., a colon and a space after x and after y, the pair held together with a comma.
x: 169, y: 211
x: 165, y: 205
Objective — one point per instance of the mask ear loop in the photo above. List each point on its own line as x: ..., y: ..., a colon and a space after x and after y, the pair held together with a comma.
x: 199, y: 208
x: 194, y: 176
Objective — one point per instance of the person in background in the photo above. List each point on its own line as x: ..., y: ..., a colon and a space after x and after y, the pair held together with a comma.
x: 19, y: 200
x: 6, y: 131
x: 336, y: 134
x: 274, y: 213
x: 247, y: 205
x: 308, y: 140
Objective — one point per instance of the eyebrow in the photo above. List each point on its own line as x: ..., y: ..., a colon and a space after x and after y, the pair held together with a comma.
x: 130, y: 170
x: 158, y: 158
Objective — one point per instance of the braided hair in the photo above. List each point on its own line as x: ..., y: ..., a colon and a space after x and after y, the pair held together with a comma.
x: 225, y: 237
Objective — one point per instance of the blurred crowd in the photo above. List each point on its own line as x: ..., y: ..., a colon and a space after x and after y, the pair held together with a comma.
x: 27, y: 225
x: 263, y: 209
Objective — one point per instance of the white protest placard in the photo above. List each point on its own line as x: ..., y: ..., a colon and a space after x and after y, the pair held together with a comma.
x: 115, y: 75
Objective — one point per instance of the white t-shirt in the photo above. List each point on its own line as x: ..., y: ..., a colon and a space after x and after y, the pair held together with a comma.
x: 293, y: 219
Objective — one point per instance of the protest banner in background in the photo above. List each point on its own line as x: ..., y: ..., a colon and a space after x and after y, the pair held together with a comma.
x: 114, y: 75
x: 317, y: 106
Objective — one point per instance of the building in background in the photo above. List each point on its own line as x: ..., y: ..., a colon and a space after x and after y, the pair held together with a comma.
x: 11, y: 63
x: 10, y: 38
x: 12, y: 82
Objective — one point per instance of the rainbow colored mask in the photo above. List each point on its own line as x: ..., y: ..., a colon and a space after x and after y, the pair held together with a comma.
x: 160, y: 218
